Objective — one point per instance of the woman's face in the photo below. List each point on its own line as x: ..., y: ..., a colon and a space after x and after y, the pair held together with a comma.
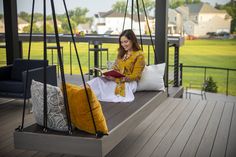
x: 126, y: 43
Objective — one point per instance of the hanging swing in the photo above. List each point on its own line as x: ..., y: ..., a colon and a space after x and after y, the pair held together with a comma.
x: 121, y: 118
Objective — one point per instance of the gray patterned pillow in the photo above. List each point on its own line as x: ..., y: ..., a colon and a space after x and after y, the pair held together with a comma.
x: 56, y: 111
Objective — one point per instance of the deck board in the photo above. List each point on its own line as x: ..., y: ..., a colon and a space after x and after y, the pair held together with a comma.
x: 160, y: 133
x: 131, y: 138
x: 208, y: 138
x: 147, y: 134
x: 231, y: 151
x: 170, y: 137
x: 196, y: 135
x: 220, y: 142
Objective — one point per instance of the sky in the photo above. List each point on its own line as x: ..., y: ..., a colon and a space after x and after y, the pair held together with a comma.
x: 93, y: 6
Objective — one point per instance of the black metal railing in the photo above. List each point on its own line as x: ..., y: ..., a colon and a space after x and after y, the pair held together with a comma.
x: 205, y: 72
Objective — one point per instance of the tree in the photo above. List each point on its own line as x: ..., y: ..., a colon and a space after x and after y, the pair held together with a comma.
x: 211, y: 85
x: 196, y: 1
x: 176, y: 4
x: 148, y: 4
x: 189, y: 1
x: 119, y: 6
x: 25, y: 16
x: 66, y: 28
x: 49, y: 17
x: 35, y: 29
x: 231, y: 10
x: 38, y: 17
x: 79, y: 15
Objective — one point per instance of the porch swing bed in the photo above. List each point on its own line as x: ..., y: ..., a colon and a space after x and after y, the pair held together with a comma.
x: 121, y: 118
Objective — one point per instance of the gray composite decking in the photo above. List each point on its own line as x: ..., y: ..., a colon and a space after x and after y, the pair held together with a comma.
x: 177, y: 127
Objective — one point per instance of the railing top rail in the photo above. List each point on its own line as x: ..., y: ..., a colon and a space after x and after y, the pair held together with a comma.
x: 178, y: 41
x: 208, y: 67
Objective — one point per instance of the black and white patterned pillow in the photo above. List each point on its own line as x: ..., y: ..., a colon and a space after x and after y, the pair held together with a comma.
x: 56, y: 110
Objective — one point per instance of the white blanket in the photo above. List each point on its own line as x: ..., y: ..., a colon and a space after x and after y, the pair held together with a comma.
x: 105, y: 90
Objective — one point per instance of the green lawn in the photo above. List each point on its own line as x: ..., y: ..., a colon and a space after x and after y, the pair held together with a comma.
x: 215, y: 53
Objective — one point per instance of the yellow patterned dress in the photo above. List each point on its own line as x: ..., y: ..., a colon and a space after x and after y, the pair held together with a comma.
x: 132, y: 69
x: 122, y: 89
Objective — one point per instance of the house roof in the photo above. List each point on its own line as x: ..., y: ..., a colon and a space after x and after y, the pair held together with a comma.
x: 203, y: 8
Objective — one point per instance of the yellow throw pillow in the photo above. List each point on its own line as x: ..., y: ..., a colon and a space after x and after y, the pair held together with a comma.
x: 80, y: 112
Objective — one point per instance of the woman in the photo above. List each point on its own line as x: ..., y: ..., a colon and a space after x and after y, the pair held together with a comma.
x: 130, y: 62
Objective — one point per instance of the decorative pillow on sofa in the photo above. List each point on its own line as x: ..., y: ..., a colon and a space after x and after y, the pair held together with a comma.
x: 80, y: 112
x: 56, y: 111
x: 152, y: 78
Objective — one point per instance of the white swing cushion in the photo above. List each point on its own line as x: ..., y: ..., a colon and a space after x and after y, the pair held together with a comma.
x: 55, y: 106
x: 152, y: 78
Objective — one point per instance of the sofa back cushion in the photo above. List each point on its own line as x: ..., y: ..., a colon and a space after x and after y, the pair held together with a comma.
x: 20, y: 65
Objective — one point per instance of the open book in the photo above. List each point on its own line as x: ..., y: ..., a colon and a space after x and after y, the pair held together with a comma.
x: 111, y: 72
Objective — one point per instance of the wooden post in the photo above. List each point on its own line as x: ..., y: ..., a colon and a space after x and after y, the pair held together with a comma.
x: 161, y: 24
x: 11, y: 31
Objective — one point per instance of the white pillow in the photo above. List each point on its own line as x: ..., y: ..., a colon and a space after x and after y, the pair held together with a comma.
x: 57, y: 119
x: 152, y: 78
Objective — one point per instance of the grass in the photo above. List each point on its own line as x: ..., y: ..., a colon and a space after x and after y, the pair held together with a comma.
x: 215, y: 53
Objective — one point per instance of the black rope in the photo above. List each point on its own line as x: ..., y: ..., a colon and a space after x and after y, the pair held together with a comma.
x: 150, y: 33
x: 27, y: 71
x: 141, y: 40
x: 61, y: 68
x: 98, y: 134
x: 126, y: 7
x: 132, y: 14
x: 45, y: 108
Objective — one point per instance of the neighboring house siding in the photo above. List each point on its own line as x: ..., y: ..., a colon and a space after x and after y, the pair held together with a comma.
x: 189, y: 27
x: 175, y: 22
x: 204, y: 18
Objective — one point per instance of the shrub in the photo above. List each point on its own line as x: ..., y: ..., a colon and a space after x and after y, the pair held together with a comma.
x: 211, y: 85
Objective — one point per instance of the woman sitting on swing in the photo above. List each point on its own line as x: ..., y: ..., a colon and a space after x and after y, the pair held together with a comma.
x: 130, y: 62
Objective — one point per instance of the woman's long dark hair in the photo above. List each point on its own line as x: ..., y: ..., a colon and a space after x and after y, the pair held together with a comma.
x: 129, y: 34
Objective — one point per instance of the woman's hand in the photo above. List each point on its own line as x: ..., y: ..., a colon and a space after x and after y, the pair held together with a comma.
x: 110, y: 78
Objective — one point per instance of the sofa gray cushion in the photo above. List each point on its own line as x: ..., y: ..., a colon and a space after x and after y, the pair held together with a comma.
x: 20, y: 65
x: 56, y: 111
x: 9, y: 86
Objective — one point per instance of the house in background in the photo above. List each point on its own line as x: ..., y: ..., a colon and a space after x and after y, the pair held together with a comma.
x: 201, y: 18
x: 175, y: 23
x: 21, y: 24
x: 2, y: 27
x: 113, y: 22
x: 86, y: 28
